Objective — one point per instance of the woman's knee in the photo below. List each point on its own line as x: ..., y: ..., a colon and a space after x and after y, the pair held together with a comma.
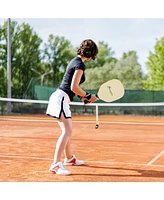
x: 65, y: 125
x: 67, y: 132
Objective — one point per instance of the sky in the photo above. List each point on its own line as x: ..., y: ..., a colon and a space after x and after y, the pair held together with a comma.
x: 121, y: 34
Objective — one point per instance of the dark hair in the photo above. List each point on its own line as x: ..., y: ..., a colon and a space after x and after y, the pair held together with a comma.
x: 88, y: 49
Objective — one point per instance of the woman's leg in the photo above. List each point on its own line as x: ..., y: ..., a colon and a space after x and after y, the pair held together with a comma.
x: 67, y: 151
x: 64, y: 139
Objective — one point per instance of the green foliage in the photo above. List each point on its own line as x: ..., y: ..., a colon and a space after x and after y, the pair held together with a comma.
x: 155, y: 66
x: 25, y: 54
x: 105, y: 55
x: 57, y: 53
x: 129, y: 71
x: 3, y: 82
x: 29, y: 61
x: 126, y: 69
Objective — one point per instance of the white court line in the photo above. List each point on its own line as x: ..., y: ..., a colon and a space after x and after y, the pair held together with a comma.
x: 102, y: 122
x: 155, y: 158
x: 24, y: 157
x: 27, y: 120
x: 86, y: 161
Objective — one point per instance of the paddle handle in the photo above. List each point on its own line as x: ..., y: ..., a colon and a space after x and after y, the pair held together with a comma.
x: 87, y: 101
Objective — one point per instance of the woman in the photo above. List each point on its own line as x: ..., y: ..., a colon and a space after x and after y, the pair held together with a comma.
x: 58, y: 106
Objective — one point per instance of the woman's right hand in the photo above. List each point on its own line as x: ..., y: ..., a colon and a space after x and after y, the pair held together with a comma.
x: 91, y: 100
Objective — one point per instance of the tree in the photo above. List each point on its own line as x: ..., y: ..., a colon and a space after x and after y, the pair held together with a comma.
x: 126, y: 70
x: 155, y: 66
x: 105, y: 55
x: 25, y: 55
x: 129, y: 71
x: 3, y: 62
x: 3, y: 82
x: 57, y: 53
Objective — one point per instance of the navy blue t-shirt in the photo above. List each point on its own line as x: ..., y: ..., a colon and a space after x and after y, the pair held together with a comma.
x: 73, y: 65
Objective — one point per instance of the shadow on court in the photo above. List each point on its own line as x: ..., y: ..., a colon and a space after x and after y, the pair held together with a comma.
x: 142, y: 172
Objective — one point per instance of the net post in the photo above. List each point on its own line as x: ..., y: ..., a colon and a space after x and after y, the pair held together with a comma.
x: 9, y: 65
x: 97, y: 116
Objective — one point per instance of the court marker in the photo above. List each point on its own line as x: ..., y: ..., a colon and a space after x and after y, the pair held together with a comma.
x: 155, y: 158
x: 76, y: 121
x: 86, y: 161
x: 25, y: 157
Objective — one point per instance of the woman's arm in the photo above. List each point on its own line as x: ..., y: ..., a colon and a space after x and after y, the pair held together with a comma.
x: 77, y: 89
x: 76, y: 82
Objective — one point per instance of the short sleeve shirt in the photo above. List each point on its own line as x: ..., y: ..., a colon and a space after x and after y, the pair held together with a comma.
x: 65, y: 85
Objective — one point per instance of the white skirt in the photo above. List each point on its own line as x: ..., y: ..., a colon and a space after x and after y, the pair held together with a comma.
x: 58, y: 104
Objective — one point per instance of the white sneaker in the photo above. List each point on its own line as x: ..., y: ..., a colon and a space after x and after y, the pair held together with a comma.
x: 73, y: 161
x: 58, y: 169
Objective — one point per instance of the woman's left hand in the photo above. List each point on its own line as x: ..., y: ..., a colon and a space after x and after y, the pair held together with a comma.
x: 91, y: 100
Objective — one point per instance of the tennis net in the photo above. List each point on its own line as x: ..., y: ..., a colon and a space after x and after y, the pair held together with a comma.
x: 26, y: 106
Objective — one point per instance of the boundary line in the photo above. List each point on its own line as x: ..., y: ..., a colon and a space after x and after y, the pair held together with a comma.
x: 155, y: 158
x: 86, y: 161
x: 77, y: 121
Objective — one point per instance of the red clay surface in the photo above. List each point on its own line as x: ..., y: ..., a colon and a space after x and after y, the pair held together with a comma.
x: 122, y: 149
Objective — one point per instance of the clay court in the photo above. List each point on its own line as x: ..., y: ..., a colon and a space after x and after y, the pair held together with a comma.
x: 122, y: 149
